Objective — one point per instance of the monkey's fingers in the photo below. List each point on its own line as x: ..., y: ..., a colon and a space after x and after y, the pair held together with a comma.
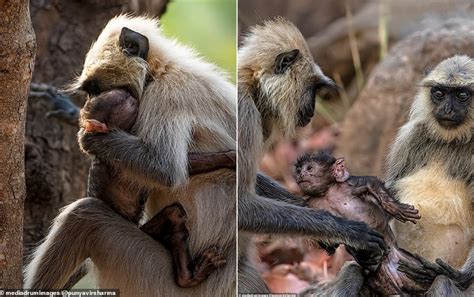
x: 416, y: 273
x: 410, y: 216
x: 447, y: 269
x: 377, y: 240
x: 427, y: 265
x: 399, y: 218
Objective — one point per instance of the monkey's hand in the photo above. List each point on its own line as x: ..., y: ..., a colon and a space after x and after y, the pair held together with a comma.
x: 366, y: 245
x: 92, y: 142
x: 401, y: 211
x: 426, y: 272
x: 208, y: 162
x: 365, y: 259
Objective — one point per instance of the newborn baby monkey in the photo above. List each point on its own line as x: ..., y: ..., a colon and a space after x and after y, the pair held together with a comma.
x: 328, y: 186
x: 117, y: 109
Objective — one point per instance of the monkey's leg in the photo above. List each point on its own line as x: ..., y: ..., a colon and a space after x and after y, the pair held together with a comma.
x: 443, y: 286
x: 250, y: 280
x: 349, y: 283
x: 169, y: 228
x: 207, y: 162
x: 66, y: 246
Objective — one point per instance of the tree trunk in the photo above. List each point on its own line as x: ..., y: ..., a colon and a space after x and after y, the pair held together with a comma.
x: 17, y: 53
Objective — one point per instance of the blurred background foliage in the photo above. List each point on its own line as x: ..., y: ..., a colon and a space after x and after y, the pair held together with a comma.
x: 209, y: 26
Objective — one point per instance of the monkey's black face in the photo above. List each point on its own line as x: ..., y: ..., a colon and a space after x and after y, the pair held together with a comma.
x: 451, y: 105
x: 311, y: 177
x: 308, y: 100
x: 307, y: 107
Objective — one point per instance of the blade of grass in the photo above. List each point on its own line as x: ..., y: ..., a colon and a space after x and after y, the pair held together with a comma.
x: 354, y: 49
x: 383, y: 36
x: 346, y: 102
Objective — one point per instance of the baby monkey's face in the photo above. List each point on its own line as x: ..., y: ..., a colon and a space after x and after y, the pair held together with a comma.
x: 316, y: 173
x: 312, y: 176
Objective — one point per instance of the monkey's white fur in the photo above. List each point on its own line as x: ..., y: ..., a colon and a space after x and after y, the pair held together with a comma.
x: 431, y: 167
x: 188, y: 106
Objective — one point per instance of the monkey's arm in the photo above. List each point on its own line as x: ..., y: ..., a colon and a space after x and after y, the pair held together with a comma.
x: 375, y: 187
x: 263, y: 215
x: 207, y: 162
x: 164, y: 164
x: 266, y: 216
x: 169, y: 228
x: 147, y: 161
x: 269, y: 188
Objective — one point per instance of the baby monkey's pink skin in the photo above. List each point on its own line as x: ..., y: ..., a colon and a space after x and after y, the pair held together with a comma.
x: 95, y: 126
x: 112, y: 109
x: 328, y: 186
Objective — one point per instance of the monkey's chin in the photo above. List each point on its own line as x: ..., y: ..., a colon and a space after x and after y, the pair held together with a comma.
x: 448, y: 124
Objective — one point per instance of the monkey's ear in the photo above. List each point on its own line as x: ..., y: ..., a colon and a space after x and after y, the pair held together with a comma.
x: 427, y: 70
x: 285, y: 60
x: 133, y: 43
x: 340, y: 172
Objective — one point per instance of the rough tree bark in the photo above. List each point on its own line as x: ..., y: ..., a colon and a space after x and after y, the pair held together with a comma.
x: 17, y: 53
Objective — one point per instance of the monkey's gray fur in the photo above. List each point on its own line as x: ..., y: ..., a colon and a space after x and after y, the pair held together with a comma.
x: 431, y: 168
x: 278, y: 80
x: 185, y: 105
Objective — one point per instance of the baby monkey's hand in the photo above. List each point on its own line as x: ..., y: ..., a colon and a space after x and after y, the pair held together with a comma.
x: 401, y: 211
x: 91, y: 126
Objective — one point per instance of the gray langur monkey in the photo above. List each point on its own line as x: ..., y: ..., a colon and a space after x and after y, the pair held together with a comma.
x: 431, y: 163
x: 186, y: 105
x: 278, y: 82
x: 430, y: 166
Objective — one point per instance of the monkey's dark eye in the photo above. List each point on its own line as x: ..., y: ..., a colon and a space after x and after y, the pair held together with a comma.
x: 309, y: 168
x: 437, y: 94
x: 91, y: 87
x: 463, y: 95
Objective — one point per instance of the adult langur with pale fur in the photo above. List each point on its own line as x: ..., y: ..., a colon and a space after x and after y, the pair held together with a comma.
x: 278, y: 81
x: 430, y: 166
x: 185, y: 105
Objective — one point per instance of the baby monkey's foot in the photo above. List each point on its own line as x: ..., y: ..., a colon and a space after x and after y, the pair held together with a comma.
x: 208, y: 261
x: 175, y: 213
x: 205, y: 264
x: 95, y: 126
